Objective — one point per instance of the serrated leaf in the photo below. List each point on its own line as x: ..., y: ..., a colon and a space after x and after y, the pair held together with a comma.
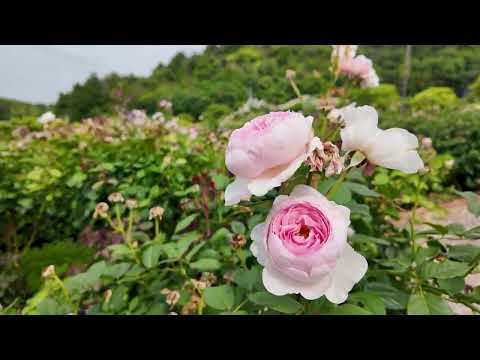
x: 361, y: 189
x: 348, y: 309
x: 206, y: 265
x: 427, y: 304
x: 151, y: 255
x: 283, y: 304
x: 237, y: 227
x: 220, y: 297
x: 445, y: 270
x: 184, y: 223
x: 372, y: 302
x: 247, y: 279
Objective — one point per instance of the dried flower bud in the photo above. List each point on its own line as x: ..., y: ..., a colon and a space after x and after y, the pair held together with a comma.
x: 131, y: 204
x: 325, y: 157
x: 228, y: 277
x: 48, y: 272
x: 200, y: 285
x: 171, y: 296
x: 155, y: 212
x: 290, y: 74
x: 107, y: 296
x: 101, y: 210
x: 424, y: 170
x: 208, y: 278
x: 191, y: 305
x: 427, y: 143
x: 116, y: 197
x: 238, y: 241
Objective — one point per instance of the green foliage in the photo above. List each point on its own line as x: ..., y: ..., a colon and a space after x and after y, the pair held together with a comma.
x: 434, y: 98
x: 382, y: 97
x: 62, y: 254
x: 213, y: 114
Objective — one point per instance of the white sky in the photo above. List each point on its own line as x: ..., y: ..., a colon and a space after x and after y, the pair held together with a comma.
x: 38, y: 73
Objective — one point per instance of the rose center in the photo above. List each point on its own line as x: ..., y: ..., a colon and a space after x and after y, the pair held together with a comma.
x: 304, y: 231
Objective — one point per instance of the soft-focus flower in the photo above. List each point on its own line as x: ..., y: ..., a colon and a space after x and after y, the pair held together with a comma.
x: 116, y: 197
x: 20, y: 132
x: 265, y: 152
x: 137, y: 117
x: 48, y: 272
x: 324, y: 157
x: 46, y: 118
x: 449, y: 164
x: 101, y: 210
x: 360, y: 68
x: 392, y: 148
x: 303, y: 247
x: 427, y: 143
x: 158, y: 116
x: 344, y: 52
x: 165, y: 104
x: 290, y: 74
x: 155, y: 212
x: 131, y: 203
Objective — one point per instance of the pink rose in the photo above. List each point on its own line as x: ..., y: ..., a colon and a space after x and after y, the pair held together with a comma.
x: 303, y: 247
x: 360, y: 68
x: 266, y: 152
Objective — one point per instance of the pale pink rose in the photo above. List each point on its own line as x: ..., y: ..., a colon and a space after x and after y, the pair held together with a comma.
x: 392, y: 148
x: 360, y: 68
x: 342, y: 52
x: 265, y: 152
x: 303, y: 247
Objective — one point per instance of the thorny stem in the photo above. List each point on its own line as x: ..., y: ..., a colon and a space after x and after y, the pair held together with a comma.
x: 119, y: 217
x: 157, y: 230
x: 413, y: 218
x: 240, y: 306
x: 65, y: 291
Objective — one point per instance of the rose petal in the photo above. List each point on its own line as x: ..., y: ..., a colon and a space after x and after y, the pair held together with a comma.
x: 351, y: 267
x: 237, y: 191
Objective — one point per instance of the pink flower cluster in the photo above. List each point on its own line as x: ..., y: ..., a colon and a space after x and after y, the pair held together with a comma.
x: 356, y: 67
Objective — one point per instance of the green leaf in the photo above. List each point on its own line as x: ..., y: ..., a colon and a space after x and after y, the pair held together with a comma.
x: 247, y: 279
x: 393, y: 298
x: 427, y: 304
x: 222, y: 235
x: 194, y: 251
x: 184, y: 223
x: 348, y: 309
x: 176, y: 249
x: 445, y: 270
x: 343, y: 195
x: 120, y: 250
x: 361, y: 189
x: 237, y: 227
x: 381, y: 179
x: 473, y: 233
x: 76, y: 180
x: 456, y: 229
x: 206, y: 265
x: 372, y: 302
x: 221, y: 181
x: 151, y: 255
x: 453, y: 285
x: 220, y: 297
x: 463, y: 252
x: 283, y: 304
x: 472, y: 200
x: 117, y: 270
x: 365, y: 239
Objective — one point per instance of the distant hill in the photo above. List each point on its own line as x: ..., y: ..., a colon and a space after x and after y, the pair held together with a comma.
x: 13, y: 108
x: 227, y: 75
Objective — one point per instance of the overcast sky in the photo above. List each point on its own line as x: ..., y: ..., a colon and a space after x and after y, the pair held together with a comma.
x: 38, y: 73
